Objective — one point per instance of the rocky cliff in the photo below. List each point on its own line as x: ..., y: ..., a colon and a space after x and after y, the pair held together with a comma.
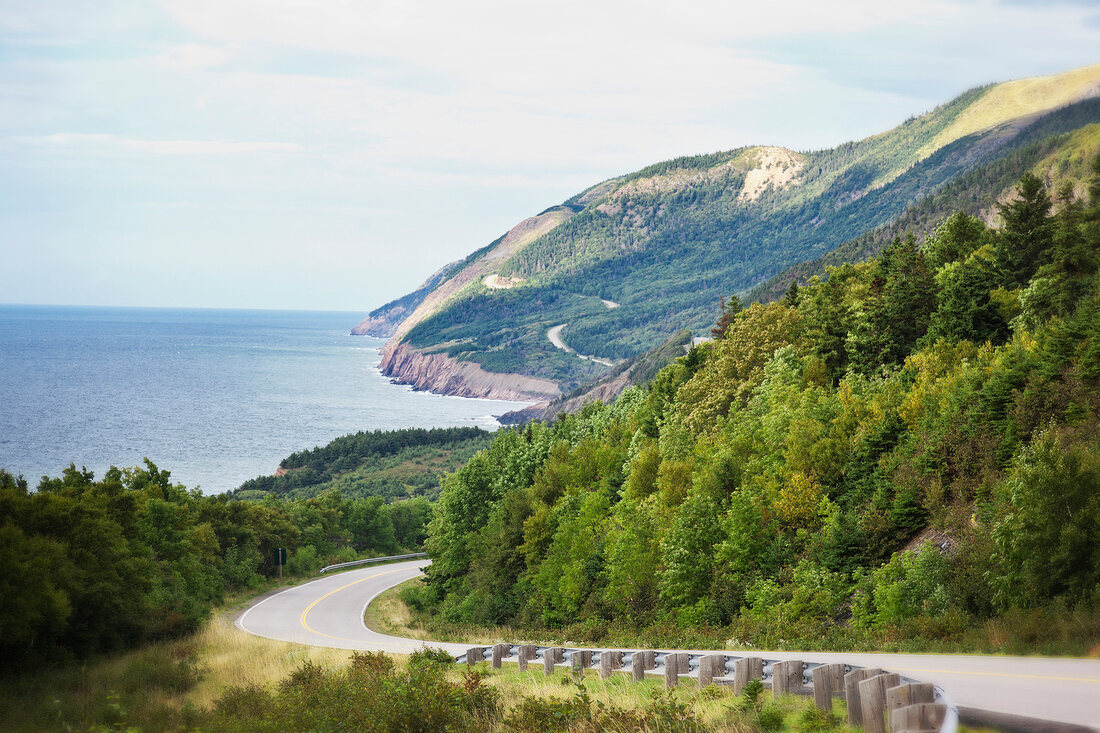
x: 441, y: 374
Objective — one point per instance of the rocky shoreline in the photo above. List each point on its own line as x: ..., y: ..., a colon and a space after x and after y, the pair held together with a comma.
x: 441, y: 374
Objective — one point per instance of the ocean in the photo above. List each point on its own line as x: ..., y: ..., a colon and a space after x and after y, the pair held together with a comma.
x: 214, y: 396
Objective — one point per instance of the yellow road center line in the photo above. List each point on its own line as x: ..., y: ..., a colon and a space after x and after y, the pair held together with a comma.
x: 305, y: 613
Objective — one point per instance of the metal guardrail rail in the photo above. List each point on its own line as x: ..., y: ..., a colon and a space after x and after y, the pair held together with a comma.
x: 369, y: 560
x: 878, y: 701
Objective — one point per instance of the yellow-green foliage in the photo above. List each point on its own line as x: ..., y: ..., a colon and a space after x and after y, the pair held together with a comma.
x: 1015, y: 99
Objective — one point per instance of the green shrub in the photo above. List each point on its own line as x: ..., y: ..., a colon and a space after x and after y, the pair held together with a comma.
x: 304, y: 561
x: 769, y: 718
x: 1047, y: 543
x: 912, y: 584
x: 371, y: 664
x: 429, y: 656
x: 537, y: 714
x: 814, y: 718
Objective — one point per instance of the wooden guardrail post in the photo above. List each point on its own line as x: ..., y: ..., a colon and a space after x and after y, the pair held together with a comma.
x: 872, y: 701
x: 580, y: 659
x: 499, y: 652
x: 609, y: 662
x: 711, y: 666
x: 676, y: 664
x: 641, y: 661
x: 672, y: 674
x: 744, y: 670
x: 526, y: 653
x: 550, y: 657
x: 903, y: 695
x: 924, y: 717
x: 475, y: 654
x: 851, y: 693
x: 828, y: 682
x: 787, y: 677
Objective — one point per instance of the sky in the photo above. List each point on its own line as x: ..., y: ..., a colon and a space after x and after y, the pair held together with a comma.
x: 331, y: 154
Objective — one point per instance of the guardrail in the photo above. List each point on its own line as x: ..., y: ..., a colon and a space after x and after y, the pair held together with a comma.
x: 876, y: 700
x: 369, y: 560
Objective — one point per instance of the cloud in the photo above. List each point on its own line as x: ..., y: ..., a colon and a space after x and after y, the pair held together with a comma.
x: 158, y: 147
x: 194, y: 56
x: 350, y: 127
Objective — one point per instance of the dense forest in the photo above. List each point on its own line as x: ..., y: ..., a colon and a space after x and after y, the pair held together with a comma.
x: 98, y: 565
x: 904, y: 449
x: 392, y: 464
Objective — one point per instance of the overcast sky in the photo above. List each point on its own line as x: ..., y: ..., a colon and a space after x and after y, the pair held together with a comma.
x: 329, y: 154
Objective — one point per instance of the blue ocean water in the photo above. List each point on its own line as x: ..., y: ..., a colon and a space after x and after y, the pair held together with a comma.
x: 214, y: 396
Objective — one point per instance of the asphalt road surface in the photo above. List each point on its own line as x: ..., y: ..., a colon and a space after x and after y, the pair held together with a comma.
x: 329, y: 612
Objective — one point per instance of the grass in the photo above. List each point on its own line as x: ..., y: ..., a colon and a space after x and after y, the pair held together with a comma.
x: 198, y: 683
x: 716, y: 708
x: 161, y: 684
x: 1013, y: 99
x: 228, y: 657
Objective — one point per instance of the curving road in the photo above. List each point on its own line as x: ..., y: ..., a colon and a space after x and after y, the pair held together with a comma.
x: 329, y: 612
x: 554, y: 334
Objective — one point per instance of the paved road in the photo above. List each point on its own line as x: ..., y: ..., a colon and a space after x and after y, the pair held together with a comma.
x: 554, y: 334
x: 329, y: 612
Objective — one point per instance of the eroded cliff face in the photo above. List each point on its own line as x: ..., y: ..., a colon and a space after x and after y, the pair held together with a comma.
x: 443, y: 375
x: 604, y: 391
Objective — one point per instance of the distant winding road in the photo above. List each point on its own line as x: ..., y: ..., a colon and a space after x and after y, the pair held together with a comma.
x: 554, y: 334
x: 329, y: 612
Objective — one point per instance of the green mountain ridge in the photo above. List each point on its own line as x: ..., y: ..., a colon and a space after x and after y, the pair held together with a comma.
x: 664, y: 244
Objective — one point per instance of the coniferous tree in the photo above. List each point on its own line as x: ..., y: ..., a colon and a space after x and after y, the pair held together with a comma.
x: 1027, y: 233
x: 729, y: 310
x: 902, y: 301
x: 954, y: 240
x: 964, y: 308
x: 791, y: 298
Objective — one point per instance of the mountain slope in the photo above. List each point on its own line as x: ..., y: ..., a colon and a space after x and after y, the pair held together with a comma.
x: 663, y: 244
x: 383, y: 321
x: 1041, y: 150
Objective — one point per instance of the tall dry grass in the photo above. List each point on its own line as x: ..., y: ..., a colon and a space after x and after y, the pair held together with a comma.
x: 229, y: 657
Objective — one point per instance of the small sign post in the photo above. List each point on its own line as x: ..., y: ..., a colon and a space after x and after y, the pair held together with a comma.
x: 280, y: 559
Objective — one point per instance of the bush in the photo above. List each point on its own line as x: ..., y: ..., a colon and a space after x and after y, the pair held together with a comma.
x: 769, y: 718
x: 426, y: 656
x: 417, y: 596
x: 304, y: 561
x: 912, y: 584
x: 371, y: 664
x: 536, y: 714
x: 814, y: 718
x: 1047, y: 544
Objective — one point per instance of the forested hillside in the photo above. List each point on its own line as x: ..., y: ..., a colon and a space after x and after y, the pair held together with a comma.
x: 392, y: 464
x: 907, y: 449
x: 629, y: 262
